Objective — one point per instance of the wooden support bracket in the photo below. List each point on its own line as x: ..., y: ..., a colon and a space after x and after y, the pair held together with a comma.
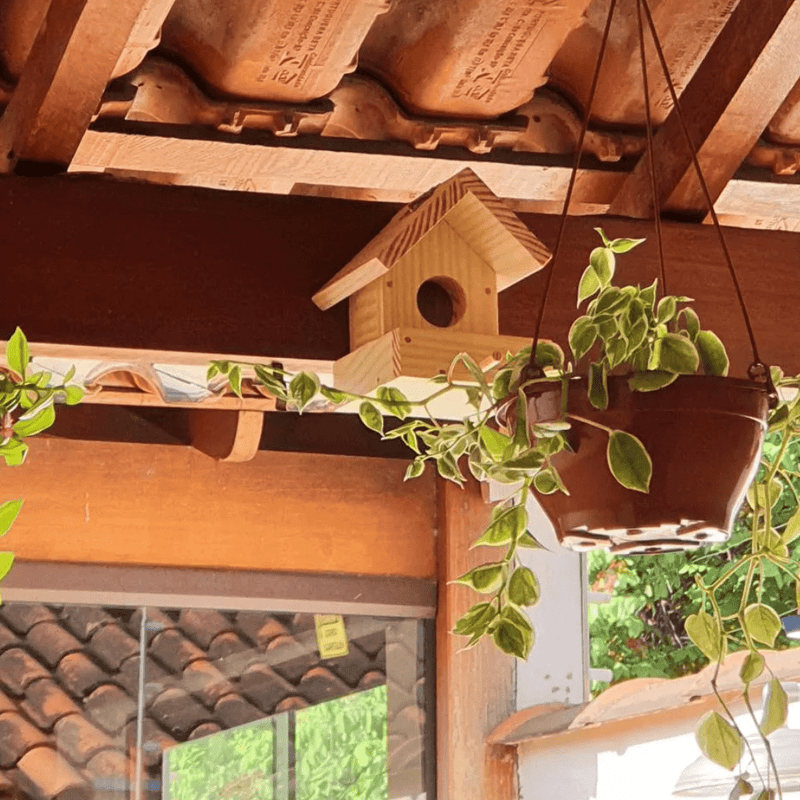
x: 226, y: 435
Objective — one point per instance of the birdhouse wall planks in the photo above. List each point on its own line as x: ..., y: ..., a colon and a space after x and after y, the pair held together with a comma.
x: 425, y: 289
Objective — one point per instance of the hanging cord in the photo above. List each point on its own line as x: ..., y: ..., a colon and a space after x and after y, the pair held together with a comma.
x: 651, y: 151
x: 758, y: 371
x: 533, y: 370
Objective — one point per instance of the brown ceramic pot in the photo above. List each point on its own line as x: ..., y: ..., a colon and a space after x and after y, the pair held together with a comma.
x: 704, y: 437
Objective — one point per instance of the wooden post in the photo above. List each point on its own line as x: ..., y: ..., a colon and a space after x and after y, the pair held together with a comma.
x: 474, y: 688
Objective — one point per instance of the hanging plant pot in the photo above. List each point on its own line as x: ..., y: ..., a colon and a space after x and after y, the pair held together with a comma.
x: 704, y: 437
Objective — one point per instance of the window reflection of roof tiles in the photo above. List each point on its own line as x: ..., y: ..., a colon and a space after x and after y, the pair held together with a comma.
x: 69, y: 680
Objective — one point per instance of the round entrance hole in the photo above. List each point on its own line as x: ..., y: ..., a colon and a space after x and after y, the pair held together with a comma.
x: 441, y: 301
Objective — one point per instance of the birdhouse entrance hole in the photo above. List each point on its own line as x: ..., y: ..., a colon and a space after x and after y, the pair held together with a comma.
x: 441, y: 301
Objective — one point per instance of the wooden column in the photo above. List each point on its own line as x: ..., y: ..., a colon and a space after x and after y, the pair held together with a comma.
x: 474, y: 688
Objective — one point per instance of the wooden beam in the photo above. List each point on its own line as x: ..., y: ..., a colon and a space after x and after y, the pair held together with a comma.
x: 742, y: 82
x: 474, y: 688
x: 226, y: 435
x: 72, y: 60
x: 240, y: 270
x: 171, y: 506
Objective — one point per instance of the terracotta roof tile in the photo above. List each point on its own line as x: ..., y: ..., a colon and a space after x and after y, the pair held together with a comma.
x: 154, y: 738
x: 233, y: 710
x: 349, y: 668
x: 18, y: 669
x: 17, y: 736
x: 109, y: 770
x: 371, y: 679
x: 270, y: 630
x: 46, y: 774
x: 293, y: 703
x: 206, y: 682
x: 290, y: 658
x: 111, y: 645
x: 249, y: 623
x: 371, y: 643
x: 320, y: 684
x: 264, y: 687
x: 206, y: 729
x: 7, y: 639
x: 46, y: 703
x: 174, y: 650
x: 178, y: 712
x: 51, y: 642
x: 203, y: 625
x: 8, y: 790
x: 302, y: 623
x: 110, y: 708
x: 156, y: 622
x: 6, y: 703
x: 79, y: 739
x: 128, y: 675
x: 21, y: 617
x: 225, y: 644
x: 84, y: 621
x: 79, y: 674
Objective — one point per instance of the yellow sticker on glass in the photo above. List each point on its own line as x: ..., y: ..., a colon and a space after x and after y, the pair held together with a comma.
x: 331, y: 635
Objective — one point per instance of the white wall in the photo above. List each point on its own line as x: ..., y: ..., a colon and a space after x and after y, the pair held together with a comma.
x: 642, y: 765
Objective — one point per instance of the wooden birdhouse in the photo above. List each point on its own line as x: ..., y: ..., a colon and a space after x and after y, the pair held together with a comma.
x: 425, y: 289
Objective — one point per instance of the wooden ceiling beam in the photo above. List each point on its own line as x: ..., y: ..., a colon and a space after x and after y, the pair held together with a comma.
x: 70, y: 64
x: 746, y: 75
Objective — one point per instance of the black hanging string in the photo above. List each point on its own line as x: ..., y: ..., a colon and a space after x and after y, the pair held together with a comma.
x: 533, y: 369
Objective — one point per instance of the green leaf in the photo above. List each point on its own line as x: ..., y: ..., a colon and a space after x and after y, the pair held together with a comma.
x: 719, y: 740
x: 776, y: 708
x: 14, y: 456
x: 512, y: 639
x: 758, y: 490
x: 6, y: 561
x: 589, y: 285
x: 507, y: 523
x: 476, y: 620
x: 545, y: 482
x: 762, y: 623
x: 741, y: 787
x: 17, y: 353
x: 447, y: 467
x: 393, y: 401
x: 606, y: 240
x: 666, y: 310
x: 40, y: 421
x: 415, y: 469
x: 792, y: 529
x: 598, y: 390
x: 637, y: 335
x: 527, y: 463
x: 648, y: 295
x: 484, y: 579
x: 235, y: 380
x: 601, y: 261
x: 523, y: 588
x: 691, y: 320
x: 582, y: 336
x: 303, y: 388
x: 8, y: 513
x: 712, y: 353
x: 371, y: 417
x: 527, y: 541
x: 73, y: 394
x: 704, y: 631
x: 752, y: 667
x: 272, y: 381
x: 675, y: 353
x: 651, y: 381
x: 615, y: 351
x: 520, y: 438
x: 336, y: 396
x: 501, y: 387
x: 625, y: 245
x: 494, y: 442
x: 629, y: 462
x: 549, y: 354
x: 474, y: 370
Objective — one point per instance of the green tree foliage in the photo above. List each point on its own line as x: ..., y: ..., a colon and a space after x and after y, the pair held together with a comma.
x: 641, y: 631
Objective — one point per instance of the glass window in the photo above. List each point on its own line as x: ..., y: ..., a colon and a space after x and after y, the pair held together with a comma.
x: 228, y: 704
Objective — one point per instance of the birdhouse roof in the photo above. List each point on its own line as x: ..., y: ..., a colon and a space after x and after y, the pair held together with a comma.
x: 465, y: 203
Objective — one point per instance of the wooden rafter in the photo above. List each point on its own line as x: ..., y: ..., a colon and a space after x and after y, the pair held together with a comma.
x: 72, y: 60
x: 746, y: 75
